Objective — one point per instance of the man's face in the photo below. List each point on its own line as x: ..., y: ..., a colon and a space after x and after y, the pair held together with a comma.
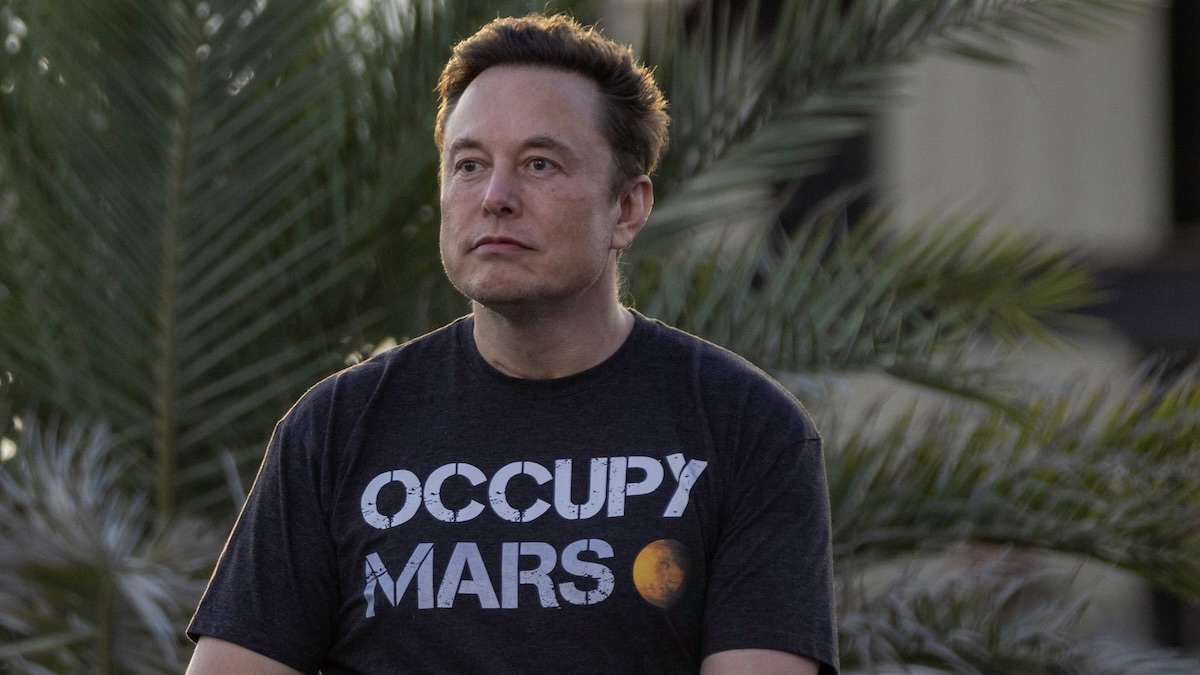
x: 529, y: 219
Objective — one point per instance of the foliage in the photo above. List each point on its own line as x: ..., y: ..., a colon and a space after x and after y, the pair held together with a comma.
x: 1089, y: 475
x: 216, y: 203
x: 831, y: 300
x: 207, y: 206
x: 91, y: 576
x: 990, y: 617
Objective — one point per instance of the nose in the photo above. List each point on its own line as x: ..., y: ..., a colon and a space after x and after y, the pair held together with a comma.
x: 501, y: 198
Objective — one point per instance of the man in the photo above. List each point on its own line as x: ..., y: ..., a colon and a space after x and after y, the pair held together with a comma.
x: 552, y: 483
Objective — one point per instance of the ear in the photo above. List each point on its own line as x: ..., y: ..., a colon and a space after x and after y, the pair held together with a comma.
x: 635, y: 201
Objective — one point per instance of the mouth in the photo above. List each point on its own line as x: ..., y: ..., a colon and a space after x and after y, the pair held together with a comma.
x: 497, y: 244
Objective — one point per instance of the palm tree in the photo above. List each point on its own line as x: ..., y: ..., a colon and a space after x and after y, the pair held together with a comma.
x: 210, y: 205
x: 207, y: 206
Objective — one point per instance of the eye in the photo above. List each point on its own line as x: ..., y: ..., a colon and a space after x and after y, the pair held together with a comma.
x: 468, y: 166
x: 539, y: 164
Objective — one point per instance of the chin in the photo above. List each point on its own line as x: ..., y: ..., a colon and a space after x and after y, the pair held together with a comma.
x: 515, y: 303
x: 507, y: 295
x: 495, y: 296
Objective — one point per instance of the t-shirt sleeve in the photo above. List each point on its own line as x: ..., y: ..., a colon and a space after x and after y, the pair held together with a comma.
x: 273, y: 590
x: 770, y: 581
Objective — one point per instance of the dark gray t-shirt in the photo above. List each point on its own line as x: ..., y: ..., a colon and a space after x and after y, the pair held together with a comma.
x: 422, y: 512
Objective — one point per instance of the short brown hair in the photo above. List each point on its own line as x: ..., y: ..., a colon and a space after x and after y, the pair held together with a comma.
x: 634, y: 119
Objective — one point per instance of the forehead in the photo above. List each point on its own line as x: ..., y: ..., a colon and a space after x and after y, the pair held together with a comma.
x: 523, y: 101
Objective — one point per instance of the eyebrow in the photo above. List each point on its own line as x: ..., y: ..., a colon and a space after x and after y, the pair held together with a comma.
x: 549, y: 142
x: 463, y: 143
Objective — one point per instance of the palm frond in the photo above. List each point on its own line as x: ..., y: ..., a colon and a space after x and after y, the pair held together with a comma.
x: 971, y: 620
x: 831, y: 299
x: 217, y: 204
x: 92, y: 577
x: 1108, y: 478
x: 989, y: 617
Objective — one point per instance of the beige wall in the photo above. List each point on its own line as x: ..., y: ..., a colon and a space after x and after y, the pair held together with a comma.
x: 1074, y: 147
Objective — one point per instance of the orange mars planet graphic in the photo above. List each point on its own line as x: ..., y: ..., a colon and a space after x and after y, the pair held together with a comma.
x: 660, y: 572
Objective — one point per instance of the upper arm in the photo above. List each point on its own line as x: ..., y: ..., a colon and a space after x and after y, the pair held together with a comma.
x: 274, y: 586
x: 770, y: 570
x: 757, y: 662
x: 218, y: 656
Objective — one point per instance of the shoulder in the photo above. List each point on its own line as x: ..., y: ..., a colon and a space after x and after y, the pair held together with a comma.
x: 353, y: 387
x: 419, y: 354
x: 724, y: 379
x: 712, y: 359
x: 680, y: 346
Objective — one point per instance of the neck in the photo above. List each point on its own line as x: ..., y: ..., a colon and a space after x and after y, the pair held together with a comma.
x: 542, y: 346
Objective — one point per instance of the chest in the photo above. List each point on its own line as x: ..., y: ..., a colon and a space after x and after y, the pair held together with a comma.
x: 465, y: 514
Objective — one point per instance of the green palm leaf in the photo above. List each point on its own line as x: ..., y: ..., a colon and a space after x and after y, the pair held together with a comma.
x: 216, y: 205
x: 995, y: 617
x: 93, y: 579
x: 834, y: 300
x: 1092, y: 475
x: 1096, y: 476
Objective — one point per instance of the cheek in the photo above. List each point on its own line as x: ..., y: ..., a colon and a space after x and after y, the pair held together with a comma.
x: 583, y: 210
x: 451, y: 212
x: 454, y: 191
x: 444, y: 248
x: 448, y: 231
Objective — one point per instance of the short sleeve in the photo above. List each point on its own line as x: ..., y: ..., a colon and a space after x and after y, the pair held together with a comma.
x: 274, y: 588
x: 770, y: 581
